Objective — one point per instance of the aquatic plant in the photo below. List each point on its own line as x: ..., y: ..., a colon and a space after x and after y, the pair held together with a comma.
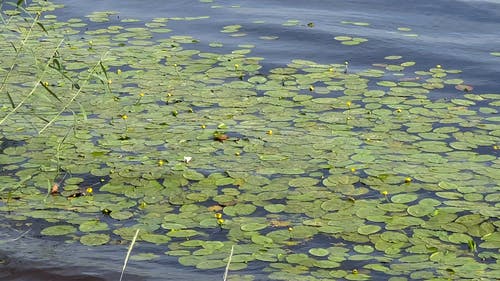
x: 306, y: 171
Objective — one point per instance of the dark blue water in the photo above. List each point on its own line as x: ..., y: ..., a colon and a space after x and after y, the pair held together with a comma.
x: 455, y: 34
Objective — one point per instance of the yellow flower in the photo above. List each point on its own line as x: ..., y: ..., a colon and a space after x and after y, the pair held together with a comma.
x: 408, y: 180
x: 385, y: 192
x: 311, y: 88
x: 438, y: 66
x: 353, y: 169
x: 220, y: 221
x: 160, y: 162
x: 124, y: 117
x: 119, y: 71
x: 141, y: 95
x: 89, y: 191
x: 218, y: 215
x: 398, y: 110
x: 349, y: 103
x: 269, y: 132
x: 203, y: 126
x: 236, y: 66
x: 290, y: 228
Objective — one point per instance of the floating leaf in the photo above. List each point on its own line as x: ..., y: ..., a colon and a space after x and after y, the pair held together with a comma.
x: 58, y: 230
x: 94, y: 239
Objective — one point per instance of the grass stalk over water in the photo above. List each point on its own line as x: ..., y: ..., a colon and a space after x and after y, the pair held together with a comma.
x: 228, y: 263
x: 37, y: 83
x: 128, y: 253
x: 78, y: 92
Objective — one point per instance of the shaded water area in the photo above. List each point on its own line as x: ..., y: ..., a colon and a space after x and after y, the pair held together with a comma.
x: 324, y: 140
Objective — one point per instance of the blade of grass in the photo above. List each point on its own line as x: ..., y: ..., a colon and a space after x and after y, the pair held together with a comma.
x: 50, y: 91
x: 29, y: 94
x: 23, y: 43
x: 72, y: 99
x: 228, y: 263
x: 128, y: 253
x: 15, y: 239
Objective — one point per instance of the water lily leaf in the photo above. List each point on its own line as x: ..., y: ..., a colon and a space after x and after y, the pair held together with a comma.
x: 240, y: 209
x: 182, y: 233
x: 94, y: 239
x: 210, y: 264
x: 93, y: 225
x: 253, y: 226
x: 319, y: 252
x: 420, y: 210
x: 404, y: 198
x: 58, y: 230
x: 155, y: 238
x: 363, y: 249
x: 261, y: 240
x: 144, y: 257
x: 368, y: 229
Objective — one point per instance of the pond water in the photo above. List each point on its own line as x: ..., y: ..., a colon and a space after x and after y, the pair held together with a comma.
x: 395, y: 37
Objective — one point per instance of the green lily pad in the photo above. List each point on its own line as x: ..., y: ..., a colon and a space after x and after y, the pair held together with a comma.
x: 368, y: 229
x: 94, y: 239
x: 58, y: 230
x: 319, y: 252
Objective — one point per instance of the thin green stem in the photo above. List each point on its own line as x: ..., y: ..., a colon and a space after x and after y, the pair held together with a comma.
x: 72, y: 99
x: 37, y: 83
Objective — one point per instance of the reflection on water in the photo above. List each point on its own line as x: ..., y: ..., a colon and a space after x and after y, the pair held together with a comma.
x: 31, y: 258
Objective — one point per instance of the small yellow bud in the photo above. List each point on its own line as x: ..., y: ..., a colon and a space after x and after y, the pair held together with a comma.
x: 89, y: 191
x: 141, y: 95
x: 110, y: 81
x: 438, y: 66
x: 398, y: 110
x: 91, y: 42
x: 46, y: 84
x: 331, y: 69
x: 385, y: 192
x: 408, y: 180
x: 203, y: 126
x: 236, y: 66
x: 124, y: 117
x: 218, y: 215
x: 354, y: 271
x: 220, y: 221
x: 290, y: 228
x: 353, y: 170
x: 160, y: 163
x: 311, y: 88
x: 349, y: 103
x: 143, y: 205
x: 169, y: 94
x: 175, y: 65
x: 119, y: 71
x: 237, y: 153
x: 495, y: 147
x: 269, y: 132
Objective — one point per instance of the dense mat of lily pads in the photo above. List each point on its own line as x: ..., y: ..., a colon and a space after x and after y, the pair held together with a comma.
x: 311, y: 170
